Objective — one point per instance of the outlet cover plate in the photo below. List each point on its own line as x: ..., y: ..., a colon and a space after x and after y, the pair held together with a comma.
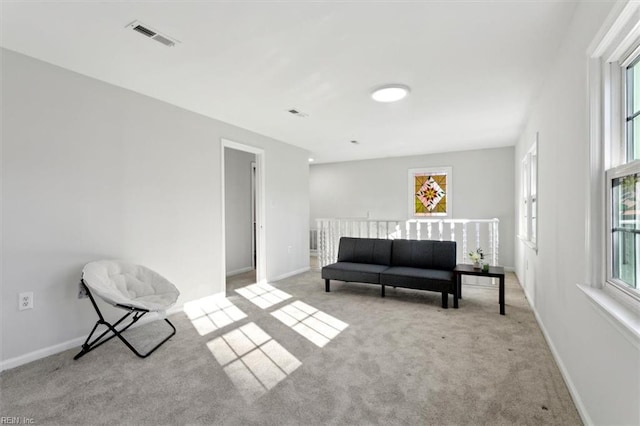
x: 25, y: 300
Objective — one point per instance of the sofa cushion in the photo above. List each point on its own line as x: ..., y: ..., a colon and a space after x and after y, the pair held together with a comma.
x: 426, y: 254
x: 365, y: 250
x: 424, y: 279
x: 353, y: 272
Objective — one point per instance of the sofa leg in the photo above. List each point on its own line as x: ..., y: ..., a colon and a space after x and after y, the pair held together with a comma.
x: 382, y: 294
x: 445, y: 300
x: 326, y: 286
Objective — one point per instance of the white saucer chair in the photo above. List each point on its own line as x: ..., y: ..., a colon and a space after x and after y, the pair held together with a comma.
x: 134, y: 288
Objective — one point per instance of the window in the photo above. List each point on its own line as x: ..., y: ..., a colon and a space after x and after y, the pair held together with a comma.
x: 613, y: 238
x: 623, y: 186
x: 612, y: 216
x: 529, y: 217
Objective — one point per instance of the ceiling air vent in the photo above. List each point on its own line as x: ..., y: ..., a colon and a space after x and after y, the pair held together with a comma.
x: 164, y: 40
x: 152, y: 33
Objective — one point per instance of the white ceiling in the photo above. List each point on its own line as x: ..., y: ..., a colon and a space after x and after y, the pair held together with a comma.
x: 474, y: 67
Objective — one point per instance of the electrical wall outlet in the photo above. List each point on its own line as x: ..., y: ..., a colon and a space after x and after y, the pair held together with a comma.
x: 25, y: 300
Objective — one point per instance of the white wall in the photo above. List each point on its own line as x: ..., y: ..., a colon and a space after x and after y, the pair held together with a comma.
x: 93, y: 171
x: 238, y: 220
x: 483, y: 188
x: 601, y: 365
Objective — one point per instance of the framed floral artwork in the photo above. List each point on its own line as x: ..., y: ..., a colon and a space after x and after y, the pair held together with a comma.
x: 430, y: 192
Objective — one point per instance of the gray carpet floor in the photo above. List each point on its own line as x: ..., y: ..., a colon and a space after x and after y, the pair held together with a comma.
x: 401, y: 360
x: 240, y: 280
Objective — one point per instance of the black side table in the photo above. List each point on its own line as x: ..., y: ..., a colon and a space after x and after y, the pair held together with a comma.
x: 493, y: 272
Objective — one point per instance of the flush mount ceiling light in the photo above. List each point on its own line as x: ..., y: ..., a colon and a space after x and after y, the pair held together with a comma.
x: 390, y: 93
x: 311, y: 160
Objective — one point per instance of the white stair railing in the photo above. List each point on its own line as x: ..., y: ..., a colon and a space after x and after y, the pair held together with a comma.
x: 484, y: 233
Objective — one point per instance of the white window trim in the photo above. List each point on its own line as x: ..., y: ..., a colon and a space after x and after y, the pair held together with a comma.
x: 613, y: 43
x: 527, y: 234
x: 619, y: 312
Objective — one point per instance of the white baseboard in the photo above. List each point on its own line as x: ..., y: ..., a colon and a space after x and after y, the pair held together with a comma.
x: 584, y: 415
x: 42, y: 353
x: 239, y: 271
x: 289, y: 274
x: 69, y: 344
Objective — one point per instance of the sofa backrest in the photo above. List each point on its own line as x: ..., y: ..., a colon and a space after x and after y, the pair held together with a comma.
x: 425, y: 254
x: 365, y: 250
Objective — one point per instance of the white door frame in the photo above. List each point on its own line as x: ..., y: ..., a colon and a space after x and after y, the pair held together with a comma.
x: 261, y: 264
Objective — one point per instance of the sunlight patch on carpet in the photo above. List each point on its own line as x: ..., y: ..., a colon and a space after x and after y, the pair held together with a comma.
x: 253, y: 360
x: 263, y: 295
x: 318, y: 327
x: 212, y: 313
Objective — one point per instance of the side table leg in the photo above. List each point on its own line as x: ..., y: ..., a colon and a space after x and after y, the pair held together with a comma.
x: 459, y: 284
x: 502, y: 295
x: 455, y: 292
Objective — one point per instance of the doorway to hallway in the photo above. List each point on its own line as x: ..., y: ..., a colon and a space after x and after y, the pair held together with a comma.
x: 243, y: 215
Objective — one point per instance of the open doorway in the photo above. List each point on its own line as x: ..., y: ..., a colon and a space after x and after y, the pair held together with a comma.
x: 243, y: 214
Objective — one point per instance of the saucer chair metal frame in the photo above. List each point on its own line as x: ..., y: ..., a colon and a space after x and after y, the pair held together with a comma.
x: 134, y: 313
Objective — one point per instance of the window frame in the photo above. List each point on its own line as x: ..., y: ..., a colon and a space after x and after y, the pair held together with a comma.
x: 529, y: 198
x: 616, y: 47
x: 618, y: 155
x: 615, y: 37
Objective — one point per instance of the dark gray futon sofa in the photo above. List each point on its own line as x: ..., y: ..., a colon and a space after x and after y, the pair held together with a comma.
x: 421, y: 265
